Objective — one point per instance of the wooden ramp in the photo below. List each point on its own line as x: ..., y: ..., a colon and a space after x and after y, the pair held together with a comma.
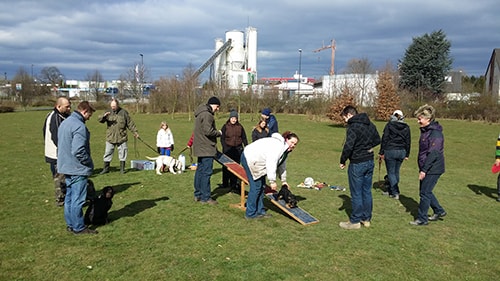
x: 297, y: 213
x: 238, y: 171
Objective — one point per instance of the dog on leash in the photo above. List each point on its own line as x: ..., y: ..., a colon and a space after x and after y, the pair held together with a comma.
x: 163, y: 162
x: 287, y: 196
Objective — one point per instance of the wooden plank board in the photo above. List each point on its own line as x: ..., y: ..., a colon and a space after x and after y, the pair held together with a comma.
x: 232, y: 166
x: 297, y: 213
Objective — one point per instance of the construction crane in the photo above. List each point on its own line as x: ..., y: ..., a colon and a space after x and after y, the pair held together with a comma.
x: 331, y: 46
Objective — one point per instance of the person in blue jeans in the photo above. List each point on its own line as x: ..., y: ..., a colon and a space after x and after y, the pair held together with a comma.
x: 430, y: 164
x: 205, y: 137
x: 75, y: 162
x: 394, y: 149
x: 265, y: 158
x: 361, y: 137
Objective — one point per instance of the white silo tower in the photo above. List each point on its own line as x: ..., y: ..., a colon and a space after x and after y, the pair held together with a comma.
x: 219, y: 62
x: 251, y: 49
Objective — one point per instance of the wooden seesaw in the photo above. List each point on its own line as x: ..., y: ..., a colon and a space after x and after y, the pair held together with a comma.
x: 296, y: 213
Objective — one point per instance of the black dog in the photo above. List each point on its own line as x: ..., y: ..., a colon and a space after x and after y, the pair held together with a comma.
x: 97, y: 212
x: 287, y: 196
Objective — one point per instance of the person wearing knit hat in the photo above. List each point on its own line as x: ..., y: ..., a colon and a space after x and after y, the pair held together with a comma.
x: 271, y: 121
x: 394, y: 149
x: 205, y: 148
x: 214, y: 100
x: 233, y: 139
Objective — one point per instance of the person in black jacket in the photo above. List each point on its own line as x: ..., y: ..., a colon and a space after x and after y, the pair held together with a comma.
x: 394, y: 148
x: 361, y: 137
x: 430, y: 164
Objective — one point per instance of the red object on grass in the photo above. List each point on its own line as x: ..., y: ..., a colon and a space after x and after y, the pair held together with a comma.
x: 495, y: 168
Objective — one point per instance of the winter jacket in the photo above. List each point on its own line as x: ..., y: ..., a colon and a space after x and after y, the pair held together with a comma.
x: 264, y: 155
x: 164, y: 138
x: 117, y: 124
x: 272, y: 124
x: 73, y: 153
x: 256, y: 134
x: 362, y: 136
x: 233, y: 135
x: 396, y: 136
x: 50, y: 129
x: 431, y: 149
x: 205, y: 133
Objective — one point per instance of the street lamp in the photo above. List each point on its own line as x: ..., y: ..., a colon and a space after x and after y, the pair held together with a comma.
x: 300, y: 65
x: 141, y: 73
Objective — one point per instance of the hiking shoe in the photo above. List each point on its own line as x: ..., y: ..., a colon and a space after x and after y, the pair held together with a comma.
x: 395, y: 196
x: 197, y: 199
x: 349, y: 225
x: 418, y: 222
x: 210, y: 202
x: 386, y: 193
x: 366, y: 223
x: 264, y: 216
x: 437, y: 217
x: 85, y: 231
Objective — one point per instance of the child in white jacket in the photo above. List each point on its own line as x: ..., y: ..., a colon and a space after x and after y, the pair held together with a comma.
x: 165, y: 140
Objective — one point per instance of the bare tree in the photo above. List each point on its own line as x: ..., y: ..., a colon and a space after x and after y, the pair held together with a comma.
x: 361, y: 68
x: 51, y: 75
x: 95, y: 79
x: 24, y: 87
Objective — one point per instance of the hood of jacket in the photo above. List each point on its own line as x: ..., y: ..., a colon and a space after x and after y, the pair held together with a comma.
x: 359, y: 118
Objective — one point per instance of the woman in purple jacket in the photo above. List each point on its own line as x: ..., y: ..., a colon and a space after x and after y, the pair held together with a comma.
x: 430, y: 164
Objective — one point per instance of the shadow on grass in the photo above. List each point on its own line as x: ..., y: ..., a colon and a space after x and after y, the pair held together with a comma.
x: 346, y: 204
x: 122, y: 187
x: 488, y: 191
x: 135, y: 208
x: 410, y: 204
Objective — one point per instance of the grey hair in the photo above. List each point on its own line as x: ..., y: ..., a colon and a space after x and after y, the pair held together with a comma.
x: 426, y: 111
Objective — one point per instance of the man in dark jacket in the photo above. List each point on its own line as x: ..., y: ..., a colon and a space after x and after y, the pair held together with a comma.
x: 117, y: 121
x: 204, y: 147
x: 361, y: 137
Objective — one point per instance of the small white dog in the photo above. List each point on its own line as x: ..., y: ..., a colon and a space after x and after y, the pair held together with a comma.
x: 164, y: 161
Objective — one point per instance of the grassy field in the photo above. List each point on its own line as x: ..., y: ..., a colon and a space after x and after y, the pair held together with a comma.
x: 157, y: 232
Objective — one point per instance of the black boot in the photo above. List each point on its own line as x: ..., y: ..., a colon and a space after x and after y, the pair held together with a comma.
x: 105, y: 170
x: 122, y: 167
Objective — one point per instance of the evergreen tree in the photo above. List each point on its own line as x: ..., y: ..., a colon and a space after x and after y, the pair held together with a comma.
x: 425, y: 64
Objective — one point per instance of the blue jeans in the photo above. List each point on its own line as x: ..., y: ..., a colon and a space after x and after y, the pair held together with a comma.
x: 393, y: 160
x: 427, y: 198
x: 165, y: 151
x: 360, y: 186
x: 76, y: 192
x: 204, y: 170
x: 255, y: 199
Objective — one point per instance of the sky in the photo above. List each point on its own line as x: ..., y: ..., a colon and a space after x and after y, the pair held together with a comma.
x: 82, y: 36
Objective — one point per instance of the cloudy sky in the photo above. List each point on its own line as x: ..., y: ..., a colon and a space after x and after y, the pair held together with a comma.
x: 81, y: 36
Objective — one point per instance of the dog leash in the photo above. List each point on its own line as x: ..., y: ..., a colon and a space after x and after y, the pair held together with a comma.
x: 156, y: 151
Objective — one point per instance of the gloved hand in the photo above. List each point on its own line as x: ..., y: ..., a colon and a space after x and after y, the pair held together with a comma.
x: 172, y: 148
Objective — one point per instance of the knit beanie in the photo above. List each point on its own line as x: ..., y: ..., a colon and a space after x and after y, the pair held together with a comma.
x: 233, y: 113
x: 266, y: 111
x: 213, y: 100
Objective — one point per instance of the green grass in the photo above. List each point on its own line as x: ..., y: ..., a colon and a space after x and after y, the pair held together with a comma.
x: 158, y: 233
